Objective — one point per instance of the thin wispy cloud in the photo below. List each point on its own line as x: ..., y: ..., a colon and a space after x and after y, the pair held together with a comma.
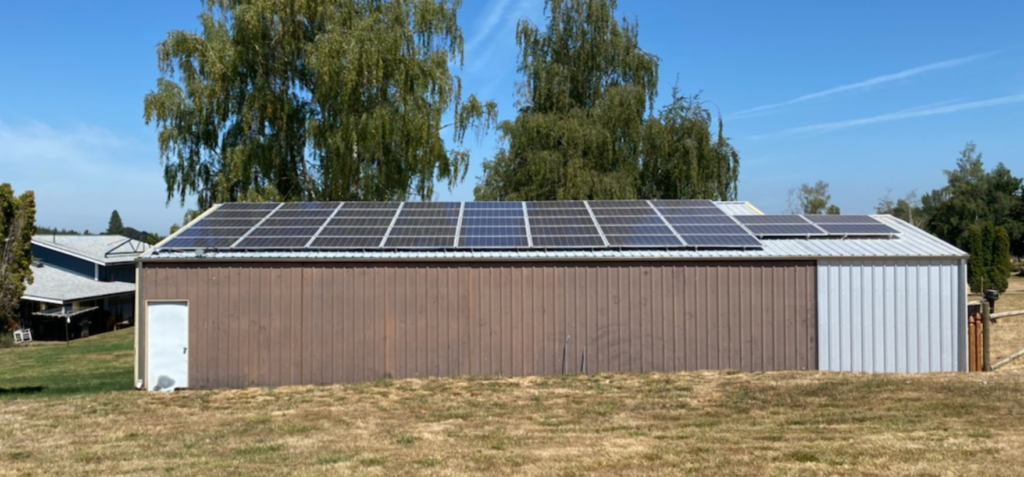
x: 941, y: 65
x: 486, y: 25
x: 917, y: 112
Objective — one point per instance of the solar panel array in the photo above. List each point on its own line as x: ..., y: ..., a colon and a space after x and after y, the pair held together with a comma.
x: 811, y: 226
x: 501, y: 226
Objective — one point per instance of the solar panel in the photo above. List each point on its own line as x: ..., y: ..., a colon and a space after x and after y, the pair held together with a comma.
x: 851, y: 225
x: 722, y: 241
x: 842, y: 219
x: 471, y: 225
x: 578, y: 241
x: 770, y: 219
x: 273, y: 243
x: 179, y: 243
x: 784, y: 230
x: 858, y: 229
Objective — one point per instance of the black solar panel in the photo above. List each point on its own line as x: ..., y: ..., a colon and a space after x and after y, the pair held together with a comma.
x: 322, y: 214
x: 643, y: 241
x: 178, y: 243
x: 683, y: 203
x: 508, y: 241
x: 784, y: 230
x: 851, y: 225
x: 359, y: 231
x: 272, y: 243
x: 309, y: 206
x: 842, y: 219
x: 710, y: 230
x: 222, y: 232
x: 345, y: 243
x: 239, y: 214
x: 275, y: 222
x: 770, y: 219
x: 420, y: 242
x: 722, y: 241
x: 700, y: 220
x: 690, y: 211
x: 578, y: 241
x: 858, y: 229
x: 235, y: 206
x: 359, y: 222
x: 306, y: 232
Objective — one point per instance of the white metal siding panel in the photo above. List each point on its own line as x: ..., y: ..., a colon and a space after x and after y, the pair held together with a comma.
x: 891, y: 315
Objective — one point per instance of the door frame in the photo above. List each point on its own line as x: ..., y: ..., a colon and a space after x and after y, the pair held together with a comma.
x: 188, y: 341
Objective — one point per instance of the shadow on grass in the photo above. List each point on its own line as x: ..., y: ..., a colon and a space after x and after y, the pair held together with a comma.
x: 21, y: 390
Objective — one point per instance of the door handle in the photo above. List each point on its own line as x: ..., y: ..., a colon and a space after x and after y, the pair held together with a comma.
x: 184, y: 350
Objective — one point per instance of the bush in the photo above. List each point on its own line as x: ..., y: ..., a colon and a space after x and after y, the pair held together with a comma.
x: 6, y: 340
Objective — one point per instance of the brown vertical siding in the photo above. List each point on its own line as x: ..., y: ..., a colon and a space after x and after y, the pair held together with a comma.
x: 318, y: 323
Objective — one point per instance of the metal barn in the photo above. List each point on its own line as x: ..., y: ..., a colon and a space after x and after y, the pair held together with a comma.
x: 321, y: 293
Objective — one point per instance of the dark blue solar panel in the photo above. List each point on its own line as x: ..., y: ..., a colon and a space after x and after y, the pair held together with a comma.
x: 423, y: 231
x: 625, y: 212
x: 309, y: 206
x: 579, y: 241
x: 346, y: 243
x: 306, y: 232
x: 377, y: 232
x: 770, y: 219
x: 858, y: 229
x: 492, y: 213
x: 492, y: 222
x: 721, y: 241
x: 273, y: 243
x: 564, y: 204
x: 683, y: 203
x: 492, y: 231
x: 321, y: 214
x: 564, y: 230
x: 431, y: 205
x: 233, y: 206
x: 420, y: 242
x: 842, y: 219
x: 272, y: 222
x: 670, y: 211
x: 509, y: 241
x: 643, y: 240
x: 426, y: 222
x: 649, y: 220
x: 700, y: 220
x: 360, y: 222
x: 582, y: 212
x: 214, y: 232
x: 195, y: 242
x: 710, y: 230
x: 636, y: 230
x: 493, y: 205
x: 238, y: 214
x: 595, y: 204
x: 784, y: 230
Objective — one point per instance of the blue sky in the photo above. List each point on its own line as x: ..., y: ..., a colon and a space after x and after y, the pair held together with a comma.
x: 869, y: 96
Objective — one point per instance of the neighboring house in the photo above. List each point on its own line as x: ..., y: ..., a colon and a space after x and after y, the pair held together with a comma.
x: 81, y: 285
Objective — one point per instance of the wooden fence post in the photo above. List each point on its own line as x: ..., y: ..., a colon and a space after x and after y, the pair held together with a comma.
x: 985, y: 332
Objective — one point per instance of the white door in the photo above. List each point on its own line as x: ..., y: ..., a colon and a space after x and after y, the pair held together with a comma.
x: 167, y: 345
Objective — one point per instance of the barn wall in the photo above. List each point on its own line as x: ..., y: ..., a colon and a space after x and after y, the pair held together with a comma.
x: 276, y: 324
x: 891, y: 315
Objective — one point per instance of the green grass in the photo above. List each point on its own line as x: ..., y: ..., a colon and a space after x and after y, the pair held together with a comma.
x: 90, y: 365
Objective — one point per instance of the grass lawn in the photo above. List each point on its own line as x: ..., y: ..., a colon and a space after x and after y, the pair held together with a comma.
x: 95, y: 364
x: 707, y: 423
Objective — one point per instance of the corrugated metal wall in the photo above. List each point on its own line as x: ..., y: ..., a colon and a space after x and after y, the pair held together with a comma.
x: 891, y: 315
x: 263, y: 324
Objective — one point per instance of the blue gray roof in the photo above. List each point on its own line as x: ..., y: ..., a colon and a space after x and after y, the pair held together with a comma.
x: 98, y: 249
x: 51, y: 285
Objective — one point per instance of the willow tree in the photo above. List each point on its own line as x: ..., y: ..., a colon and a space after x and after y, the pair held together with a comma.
x: 683, y: 158
x: 17, y: 225
x: 586, y: 88
x: 313, y: 100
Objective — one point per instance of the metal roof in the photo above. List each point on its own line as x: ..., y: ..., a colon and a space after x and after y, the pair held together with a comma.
x: 98, y: 249
x: 911, y: 243
x: 739, y: 208
x: 52, y: 285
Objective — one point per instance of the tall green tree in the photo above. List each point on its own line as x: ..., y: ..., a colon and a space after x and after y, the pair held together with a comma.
x: 977, y: 263
x: 586, y: 88
x: 812, y: 199
x: 313, y: 100
x: 17, y: 225
x: 973, y: 195
x: 683, y: 158
x: 1001, y: 266
x: 907, y: 208
x: 989, y: 264
x: 115, y: 226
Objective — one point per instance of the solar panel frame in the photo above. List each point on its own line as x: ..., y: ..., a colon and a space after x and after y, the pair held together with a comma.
x: 785, y: 230
x: 271, y: 243
x: 847, y: 230
x: 195, y: 243
x: 771, y: 219
x: 841, y: 219
x: 644, y: 241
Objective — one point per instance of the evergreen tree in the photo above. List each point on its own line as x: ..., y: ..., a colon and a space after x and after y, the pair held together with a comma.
x: 1000, y: 270
x: 313, y: 100
x: 17, y: 225
x: 115, y: 226
x: 976, y: 267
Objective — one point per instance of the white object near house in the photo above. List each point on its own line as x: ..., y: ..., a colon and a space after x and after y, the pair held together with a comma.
x: 167, y: 357
x: 21, y: 336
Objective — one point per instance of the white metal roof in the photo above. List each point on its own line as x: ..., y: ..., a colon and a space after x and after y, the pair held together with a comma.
x: 912, y: 242
x: 98, y: 249
x: 51, y: 285
x: 739, y: 208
